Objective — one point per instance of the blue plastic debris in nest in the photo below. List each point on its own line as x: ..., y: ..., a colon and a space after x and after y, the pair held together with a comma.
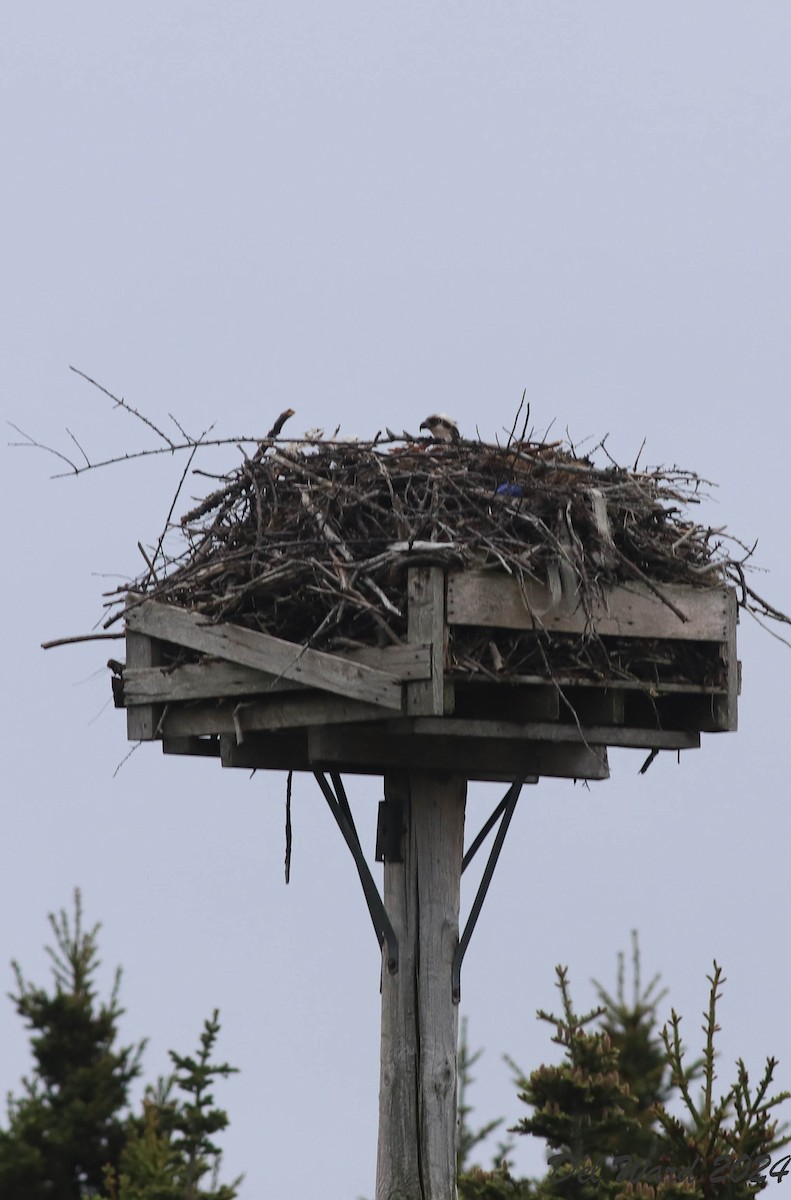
x: 510, y: 489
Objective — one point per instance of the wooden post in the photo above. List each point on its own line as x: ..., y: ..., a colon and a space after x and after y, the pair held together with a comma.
x: 416, y: 1157
x: 426, y: 615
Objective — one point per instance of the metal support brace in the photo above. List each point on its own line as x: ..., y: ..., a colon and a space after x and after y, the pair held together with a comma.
x: 339, y: 807
x: 505, y: 809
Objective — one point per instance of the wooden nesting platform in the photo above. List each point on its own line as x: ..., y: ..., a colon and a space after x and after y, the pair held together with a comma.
x: 257, y: 701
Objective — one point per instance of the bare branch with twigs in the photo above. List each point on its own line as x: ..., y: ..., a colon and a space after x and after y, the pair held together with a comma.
x: 306, y: 538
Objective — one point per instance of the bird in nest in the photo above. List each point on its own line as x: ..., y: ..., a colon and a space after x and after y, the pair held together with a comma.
x: 442, y: 427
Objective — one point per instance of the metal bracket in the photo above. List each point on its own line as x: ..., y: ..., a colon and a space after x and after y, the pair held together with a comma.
x: 339, y: 807
x: 390, y: 832
x: 504, y: 810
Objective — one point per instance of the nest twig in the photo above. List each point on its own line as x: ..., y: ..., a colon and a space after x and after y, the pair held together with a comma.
x: 309, y: 541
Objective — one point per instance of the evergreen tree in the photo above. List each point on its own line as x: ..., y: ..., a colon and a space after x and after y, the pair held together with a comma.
x: 169, y: 1150
x: 603, y: 1111
x: 633, y: 1029
x: 69, y: 1135
x: 582, y: 1108
x: 67, y: 1123
x: 730, y: 1142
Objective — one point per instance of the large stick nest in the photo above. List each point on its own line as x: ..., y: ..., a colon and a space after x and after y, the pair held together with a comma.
x: 310, y: 540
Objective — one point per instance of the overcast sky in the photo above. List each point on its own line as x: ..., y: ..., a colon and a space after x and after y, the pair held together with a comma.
x: 368, y: 212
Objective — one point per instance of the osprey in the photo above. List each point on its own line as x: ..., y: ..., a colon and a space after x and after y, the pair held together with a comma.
x: 442, y: 427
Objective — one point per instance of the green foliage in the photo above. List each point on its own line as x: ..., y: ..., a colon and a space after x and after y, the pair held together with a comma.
x: 632, y: 1028
x: 604, y: 1109
x: 169, y: 1150
x: 582, y: 1107
x: 477, y: 1184
x: 741, y: 1124
x: 67, y: 1123
x: 151, y: 1166
x: 69, y: 1135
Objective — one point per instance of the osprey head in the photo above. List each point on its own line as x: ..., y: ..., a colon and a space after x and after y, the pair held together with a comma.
x: 442, y: 427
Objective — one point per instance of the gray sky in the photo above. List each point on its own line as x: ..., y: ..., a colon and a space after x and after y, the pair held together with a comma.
x: 369, y: 211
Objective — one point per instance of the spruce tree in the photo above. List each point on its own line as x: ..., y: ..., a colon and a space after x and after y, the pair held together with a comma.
x: 582, y: 1108
x: 69, y: 1134
x: 731, y: 1143
x: 67, y: 1123
x: 604, y: 1114
x: 169, y: 1151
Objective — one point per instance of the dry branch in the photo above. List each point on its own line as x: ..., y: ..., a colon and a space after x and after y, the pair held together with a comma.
x: 309, y: 541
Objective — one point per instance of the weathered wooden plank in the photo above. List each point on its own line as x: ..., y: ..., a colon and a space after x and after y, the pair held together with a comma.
x: 214, y: 678
x: 142, y: 722
x: 726, y: 707
x: 303, y: 708
x: 199, y: 681
x: 281, y: 712
x: 490, y: 598
x: 544, y: 731
x: 407, y: 662
x: 492, y: 758
x: 273, y: 655
x: 576, y: 681
x: 426, y: 624
x: 289, y: 752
